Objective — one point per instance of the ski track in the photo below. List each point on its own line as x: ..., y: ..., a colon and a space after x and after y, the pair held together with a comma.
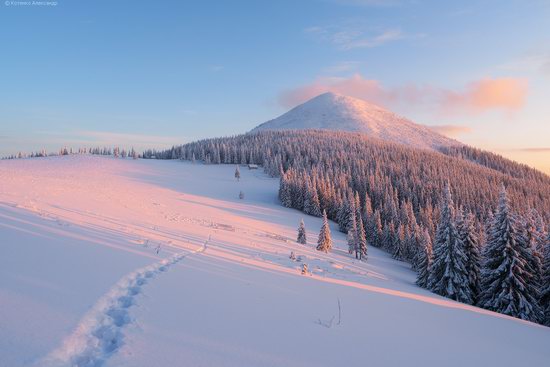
x: 100, y: 333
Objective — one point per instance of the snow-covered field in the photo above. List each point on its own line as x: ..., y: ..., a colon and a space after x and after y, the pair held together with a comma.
x: 111, y: 262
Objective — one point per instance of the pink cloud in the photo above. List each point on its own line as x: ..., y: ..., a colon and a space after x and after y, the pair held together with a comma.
x: 486, y: 94
x: 506, y: 94
x: 452, y: 131
x: 355, y: 86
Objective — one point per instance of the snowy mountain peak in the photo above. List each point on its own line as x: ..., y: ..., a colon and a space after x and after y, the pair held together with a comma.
x: 331, y: 111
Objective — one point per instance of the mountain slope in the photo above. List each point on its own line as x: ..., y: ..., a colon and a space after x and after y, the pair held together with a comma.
x: 331, y: 111
x: 83, y: 284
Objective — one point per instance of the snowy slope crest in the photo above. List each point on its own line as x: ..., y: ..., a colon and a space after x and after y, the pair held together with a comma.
x: 331, y: 111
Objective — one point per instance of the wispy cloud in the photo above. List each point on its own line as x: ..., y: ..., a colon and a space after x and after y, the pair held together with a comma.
x: 534, y: 150
x: 351, y: 35
x: 216, y: 68
x: 341, y: 67
x: 376, y: 3
x: 113, y: 138
x: 530, y: 63
x: 545, y: 67
x: 77, y: 138
x: 374, y: 41
x: 506, y: 94
x: 451, y: 131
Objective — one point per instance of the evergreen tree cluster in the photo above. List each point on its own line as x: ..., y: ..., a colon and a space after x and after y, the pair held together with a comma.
x: 509, y: 274
x: 395, y: 188
x: 393, y: 191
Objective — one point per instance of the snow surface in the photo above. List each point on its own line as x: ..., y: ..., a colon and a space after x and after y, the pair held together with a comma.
x: 112, y: 262
x: 330, y: 111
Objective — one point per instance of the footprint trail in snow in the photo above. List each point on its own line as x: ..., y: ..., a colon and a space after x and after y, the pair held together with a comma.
x: 100, y: 333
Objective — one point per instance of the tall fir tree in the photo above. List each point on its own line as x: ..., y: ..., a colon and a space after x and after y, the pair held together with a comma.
x: 324, y: 242
x: 535, y: 238
x: 448, y: 275
x: 302, y: 237
x: 467, y: 239
x: 315, y: 206
x: 361, y: 240
x: 545, y: 289
x: 415, y: 244
x: 367, y: 209
x: 399, y: 243
x: 352, y: 233
x: 424, y: 259
x: 285, y: 194
x: 387, y: 236
x: 507, y: 273
x: 375, y: 230
x: 343, y: 217
x: 357, y: 202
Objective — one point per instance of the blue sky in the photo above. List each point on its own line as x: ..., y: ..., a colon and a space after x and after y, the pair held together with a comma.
x: 155, y: 73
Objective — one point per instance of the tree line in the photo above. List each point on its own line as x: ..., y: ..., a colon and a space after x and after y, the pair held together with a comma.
x: 394, y: 192
x: 116, y: 152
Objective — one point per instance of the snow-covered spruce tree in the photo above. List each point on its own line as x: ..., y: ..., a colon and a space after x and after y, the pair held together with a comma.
x: 374, y: 235
x: 424, y: 259
x: 344, y: 215
x: 324, y: 243
x: 415, y: 244
x: 468, y: 240
x: 398, y: 252
x: 361, y: 248
x: 534, y: 232
x: 302, y: 239
x: 448, y: 275
x: 352, y: 233
x: 284, y: 191
x: 367, y: 210
x: 357, y: 205
x: 311, y: 201
x: 308, y: 193
x: 507, y: 273
x: 387, y: 237
x: 545, y: 289
x: 237, y: 173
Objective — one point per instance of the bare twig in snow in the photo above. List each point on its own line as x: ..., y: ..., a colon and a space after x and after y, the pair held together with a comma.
x: 328, y: 324
x: 339, y: 312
